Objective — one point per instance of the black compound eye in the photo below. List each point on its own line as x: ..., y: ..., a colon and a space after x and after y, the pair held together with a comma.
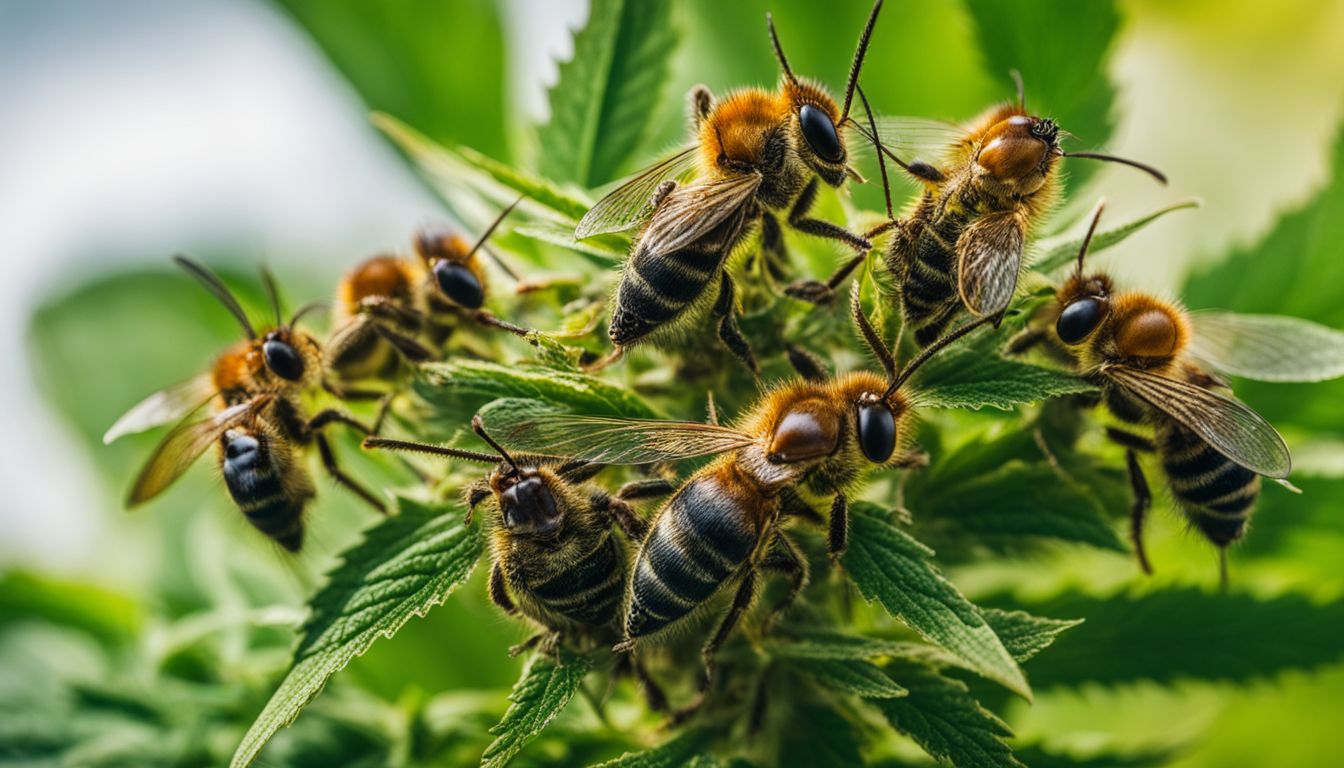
x: 283, y: 359
x: 820, y: 134
x: 877, y: 431
x: 459, y: 284
x: 1079, y: 319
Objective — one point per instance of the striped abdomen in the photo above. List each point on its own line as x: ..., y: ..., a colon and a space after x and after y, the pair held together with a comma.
x: 1215, y: 493
x: 657, y: 286
x: 257, y: 486
x: 699, y: 540
x: 588, y: 591
x: 928, y: 291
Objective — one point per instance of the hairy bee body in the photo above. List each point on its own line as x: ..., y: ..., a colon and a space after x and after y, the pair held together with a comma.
x: 267, y: 482
x: 357, y: 350
x: 1216, y: 494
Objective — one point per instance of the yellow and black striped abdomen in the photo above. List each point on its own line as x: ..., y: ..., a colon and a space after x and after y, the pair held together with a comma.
x: 257, y: 484
x: 929, y: 296
x: 700, y: 540
x: 1215, y: 493
x: 588, y: 591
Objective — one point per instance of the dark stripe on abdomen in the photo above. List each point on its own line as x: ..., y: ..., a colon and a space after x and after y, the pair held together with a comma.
x: 588, y: 591
x: 1214, y: 492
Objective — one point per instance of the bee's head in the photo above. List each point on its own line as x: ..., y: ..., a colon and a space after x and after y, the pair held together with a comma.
x: 279, y: 350
x: 1019, y: 152
x: 451, y: 260
x: 1084, y: 301
x: 526, y: 501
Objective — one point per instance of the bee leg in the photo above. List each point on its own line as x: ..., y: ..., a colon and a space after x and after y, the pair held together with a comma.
x: 837, y: 535
x: 1024, y: 340
x: 792, y: 505
x: 729, y: 333
x: 380, y: 416
x: 550, y: 645
x: 527, y: 645
x: 489, y: 319
x: 333, y: 469
x: 702, y: 103
x: 784, y: 558
x: 772, y: 248
x: 653, y: 693
x: 912, y: 459
x: 325, y: 418
x: 477, y: 493
x: 604, y: 361
x: 498, y: 594
x: 812, y: 290
x: 634, y: 526
x: 407, y: 347
x: 342, y: 392
x: 645, y: 489
x: 808, y: 365
x: 746, y: 591
x: 1142, y: 500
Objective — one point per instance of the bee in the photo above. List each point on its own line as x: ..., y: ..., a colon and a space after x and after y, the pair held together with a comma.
x: 554, y: 557
x: 1156, y: 365
x: 254, y: 389
x: 756, y: 154
x: 813, y: 438
x: 390, y: 309
x: 962, y: 245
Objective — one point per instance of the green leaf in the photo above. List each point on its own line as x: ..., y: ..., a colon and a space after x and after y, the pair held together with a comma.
x: 439, y: 382
x: 796, y: 643
x: 447, y: 169
x: 1187, y: 634
x: 945, y: 720
x: 852, y: 676
x: 1025, y: 635
x: 676, y: 751
x: 1062, y: 249
x: 605, y: 101
x: 538, y: 696
x: 405, y: 565
x: 595, y: 248
x: 816, y: 736
x: 412, y: 59
x: 894, y: 569
x: 107, y: 615
x: 1038, y: 757
x: 973, y: 375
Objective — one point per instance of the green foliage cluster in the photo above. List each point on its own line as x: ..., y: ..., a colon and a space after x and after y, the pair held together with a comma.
x: 924, y: 644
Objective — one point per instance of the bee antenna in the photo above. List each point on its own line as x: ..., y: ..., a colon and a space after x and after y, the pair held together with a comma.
x: 1148, y: 169
x: 272, y: 291
x: 870, y: 334
x: 779, y: 51
x: 216, y: 287
x: 478, y: 427
x: 859, y: 54
x: 1091, y: 228
x: 388, y: 444
x: 490, y: 230
x: 305, y: 309
x: 933, y: 349
x: 877, y: 141
x: 1021, y: 88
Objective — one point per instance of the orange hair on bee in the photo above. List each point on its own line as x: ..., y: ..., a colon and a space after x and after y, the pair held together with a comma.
x: 1148, y: 327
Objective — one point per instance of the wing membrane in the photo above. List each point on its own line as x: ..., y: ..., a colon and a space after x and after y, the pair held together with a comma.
x: 609, y: 440
x: 916, y: 138
x: 1228, y: 425
x: 1268, y: 347
x: 163, y: 407
x: 628, y: 205
x: 181, y: 447
x: 989, y: 257
x: 694, y: 211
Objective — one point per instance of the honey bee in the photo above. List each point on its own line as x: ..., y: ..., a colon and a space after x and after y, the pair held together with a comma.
x: 390, y: 309
x: 254, y: 389
x: 554, y: 558
x: 814, y: 438
x: 1155, y: 364
x: 962, y: 245
x: 756, y: 154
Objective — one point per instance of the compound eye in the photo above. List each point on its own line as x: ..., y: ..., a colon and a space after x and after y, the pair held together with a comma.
x: 877, y: 431
x: 459, y: 284
x: 529, y: 507
x: 1079, y: 319
x: 820, y: 134
x: 283, y: 359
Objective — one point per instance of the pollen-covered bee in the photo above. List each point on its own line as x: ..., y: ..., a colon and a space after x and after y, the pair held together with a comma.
x: 1155, y: 364
x: 390, y: 308
x: 756, y: 154
x: 810, y: 439
x: 962, y: 245
x: 255, y: 391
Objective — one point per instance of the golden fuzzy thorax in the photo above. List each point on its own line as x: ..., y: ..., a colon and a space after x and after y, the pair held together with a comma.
x: 241, y: 369
x: 381, y: 276
x: 737, y: 128
x: 1139, y: 329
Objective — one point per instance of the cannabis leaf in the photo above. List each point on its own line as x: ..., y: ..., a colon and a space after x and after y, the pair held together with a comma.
x: 972, y: 375
x: 1025, y: 635
x: 942, y: 717
x: 439, y: 382
x: 1059, y: 250
x: 894, y: 569
x: 816, y: 736
x: 539, y: 695
x: 676, y: 751
x: 405, y: 565
x: 606, y: 97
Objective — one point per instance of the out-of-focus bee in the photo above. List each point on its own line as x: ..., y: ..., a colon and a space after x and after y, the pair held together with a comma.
x: 555, y: 559
x: 1153, y: 362
x: 809, y: 439
x: 255, y: 389
x: 391, y: 308
x: 962, y: 245
x: 756, y: 153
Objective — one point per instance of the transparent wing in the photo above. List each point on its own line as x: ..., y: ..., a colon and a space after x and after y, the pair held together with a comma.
x: 692, y: 212
x: 609, y: 440
x: 989, y: 257
x: 628, y: 205
x: 182, y: 446
x: 163, y: 407
x: 1268, y: 347
x: 915, y: 138
x: 1228, y: 425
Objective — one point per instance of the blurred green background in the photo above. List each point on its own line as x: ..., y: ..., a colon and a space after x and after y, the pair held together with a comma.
x: 237, y: 131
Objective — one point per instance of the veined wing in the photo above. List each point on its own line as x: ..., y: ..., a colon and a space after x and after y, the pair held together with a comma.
x: 610, y: 440
x: 915, y: 138
x: 1228, y: 425
x: 989, y: 258
x: 1267, y: 347
x: 182, y: 446
x: 165, y: 406
x: 628, y: 206
x: 694, y: 211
